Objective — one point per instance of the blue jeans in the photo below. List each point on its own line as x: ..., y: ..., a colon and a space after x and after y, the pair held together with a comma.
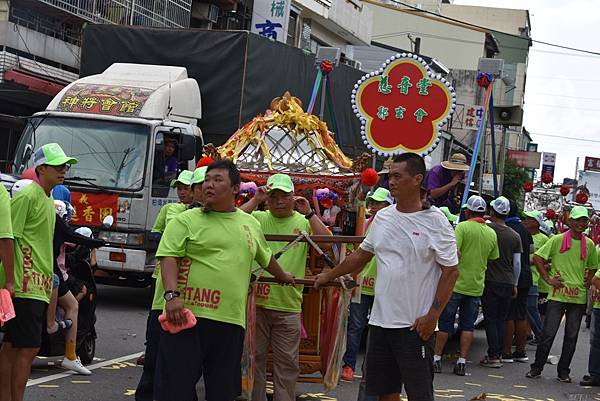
x: 468, y: 309
x: 496, y: 304
x: 594, y: 361
x: 357, y: 323
x: 533, y: 313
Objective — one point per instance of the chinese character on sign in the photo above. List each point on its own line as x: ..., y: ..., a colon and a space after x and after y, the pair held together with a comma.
x: 88, y: 214
x: 84, y: 199
x: 108, y: 104
x: 424, y: 84
x: 419, y: 114
x: 384, y: 86
x: 404, y: 85
x: 382, y: 112
x: 277, y: 8
x: 128, y: 106
x: 400, y: 112
x: 471, y: 112
x: 69, y: 102
x: 105, y: 211
x: 267, y: 29
x: 88, y: 102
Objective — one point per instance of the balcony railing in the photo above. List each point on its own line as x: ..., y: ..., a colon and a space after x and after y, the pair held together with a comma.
x: 156, y: 13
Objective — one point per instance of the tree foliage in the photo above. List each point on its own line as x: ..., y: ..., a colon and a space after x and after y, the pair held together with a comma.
x: 514, y: 178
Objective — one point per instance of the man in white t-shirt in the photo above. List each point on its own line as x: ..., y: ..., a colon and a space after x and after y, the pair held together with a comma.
x: 417, y: 262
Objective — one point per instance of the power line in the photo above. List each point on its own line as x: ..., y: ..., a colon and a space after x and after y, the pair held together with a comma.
x: 566, y: 137
x: 561, y: 107
x: 565, y: 96
x: 489, y: 29
x: 562, y: 78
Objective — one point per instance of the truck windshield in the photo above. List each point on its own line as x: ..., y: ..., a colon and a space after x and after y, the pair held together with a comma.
x: 110, y: 154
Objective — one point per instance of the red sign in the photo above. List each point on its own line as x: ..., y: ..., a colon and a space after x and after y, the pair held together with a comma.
x: 591, y: 164
x: 403, y: 106
x: 104, y: 99
x: 525, y: 159
x: 91, y: 209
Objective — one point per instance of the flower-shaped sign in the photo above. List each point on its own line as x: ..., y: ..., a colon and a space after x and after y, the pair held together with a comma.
x: 403, y: 106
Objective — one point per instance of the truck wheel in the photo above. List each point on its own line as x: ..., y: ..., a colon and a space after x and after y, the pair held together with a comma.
x: 87, y: 350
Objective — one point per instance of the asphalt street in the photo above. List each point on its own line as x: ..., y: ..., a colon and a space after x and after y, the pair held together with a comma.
x: 122, y: 314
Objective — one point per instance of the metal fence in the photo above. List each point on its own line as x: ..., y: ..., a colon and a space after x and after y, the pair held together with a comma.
x: 156, y: 13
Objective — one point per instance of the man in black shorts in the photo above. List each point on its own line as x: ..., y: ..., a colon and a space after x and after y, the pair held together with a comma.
x: 417, y: 268
x: 516, y: 321
x: 33, y: 217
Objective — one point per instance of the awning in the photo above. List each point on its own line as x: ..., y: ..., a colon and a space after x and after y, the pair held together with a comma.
x: 33, y: 82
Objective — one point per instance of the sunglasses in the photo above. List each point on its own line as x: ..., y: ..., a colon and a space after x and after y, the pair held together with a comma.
x: 62, y: 167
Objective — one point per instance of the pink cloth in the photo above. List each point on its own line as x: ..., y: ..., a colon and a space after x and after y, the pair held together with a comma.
x: 566, y: 244
x: 7, y: 311
x: 190, y: 321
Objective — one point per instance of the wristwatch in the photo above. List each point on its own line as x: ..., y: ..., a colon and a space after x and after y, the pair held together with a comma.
x: 170, y: 294
x: 311, y: 214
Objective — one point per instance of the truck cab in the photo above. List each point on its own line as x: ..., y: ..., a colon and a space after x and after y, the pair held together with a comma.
x: 132, y: 128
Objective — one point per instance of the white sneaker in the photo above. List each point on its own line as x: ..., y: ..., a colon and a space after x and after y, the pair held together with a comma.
x: 75, y: 366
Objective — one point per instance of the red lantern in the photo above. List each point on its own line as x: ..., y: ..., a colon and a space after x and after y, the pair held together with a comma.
x: 528, y: 186
x: 581, y: 197
x: 564, y: 190
x: 326, y: 67
x: 547, y: 178
x: 550, y: 214
x: 205, y: 161
x: 369, y: 177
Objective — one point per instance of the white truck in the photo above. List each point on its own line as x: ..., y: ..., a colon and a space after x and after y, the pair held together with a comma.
x: 116, y: 123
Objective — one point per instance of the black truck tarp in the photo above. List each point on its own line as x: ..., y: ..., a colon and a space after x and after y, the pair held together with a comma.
x: 238, y: 72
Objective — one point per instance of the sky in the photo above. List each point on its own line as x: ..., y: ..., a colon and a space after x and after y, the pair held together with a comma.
x: 562, y: 94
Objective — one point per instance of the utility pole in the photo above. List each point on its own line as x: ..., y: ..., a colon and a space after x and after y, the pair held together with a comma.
x: 576, y: 169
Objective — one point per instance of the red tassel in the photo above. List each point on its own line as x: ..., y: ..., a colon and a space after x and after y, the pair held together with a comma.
x: 369, y: 177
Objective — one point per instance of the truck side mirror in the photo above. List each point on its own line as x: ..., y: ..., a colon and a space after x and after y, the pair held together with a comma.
x: 108, y: 221
x: 187, y: 148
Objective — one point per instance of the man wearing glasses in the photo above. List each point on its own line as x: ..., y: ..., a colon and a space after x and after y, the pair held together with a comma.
x: 33, y: 218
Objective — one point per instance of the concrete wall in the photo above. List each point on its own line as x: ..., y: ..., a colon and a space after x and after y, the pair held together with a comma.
x: 455, y: 46
x: 38, y: 44
x: 343, y: 22
x: 499, y: 19
x: 4, y: 10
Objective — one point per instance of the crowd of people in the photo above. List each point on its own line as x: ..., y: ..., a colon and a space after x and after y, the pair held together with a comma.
x: 422, y: 278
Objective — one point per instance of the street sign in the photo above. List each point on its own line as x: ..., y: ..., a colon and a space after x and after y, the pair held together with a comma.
x: 270, y: 19
x: 488, y: 182
x: 591, y: 180
x: 525, y: 159
x: 591, y: 164
x: 549, y: 162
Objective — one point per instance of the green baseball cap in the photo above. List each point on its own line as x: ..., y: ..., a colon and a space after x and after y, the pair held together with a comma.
x: 381, y: 195
x: 283, y: 182
x: 578, y: 212
x: 185, y: 178
x: 451, y: 217
x: 199, y: 175
x: 51, y: 154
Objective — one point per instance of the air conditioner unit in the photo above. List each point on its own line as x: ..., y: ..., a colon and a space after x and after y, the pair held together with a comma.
x: 205, y: 12
x: 353, y: 63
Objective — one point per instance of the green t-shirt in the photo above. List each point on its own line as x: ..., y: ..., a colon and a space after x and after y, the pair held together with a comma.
x: 171, y: 210
x: 5, y: 223
x: 477, y: 243
x: 368, y: 276
x: 539, y: 240
x: 597, y: 303
x: 277, y: 297
x: 217, y: 252
x: 570, y: 267
x: 166, y: 213
x: 33, y: 217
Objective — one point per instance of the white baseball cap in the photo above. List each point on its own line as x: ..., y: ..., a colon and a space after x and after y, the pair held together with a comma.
x: 501, y: 205
x: 476, y: 204
x: 85, y: 231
